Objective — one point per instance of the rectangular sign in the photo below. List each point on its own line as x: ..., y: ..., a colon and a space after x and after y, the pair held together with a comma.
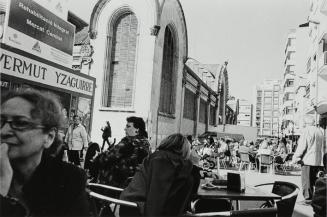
x: 23, y: 67
x: 34, y: 29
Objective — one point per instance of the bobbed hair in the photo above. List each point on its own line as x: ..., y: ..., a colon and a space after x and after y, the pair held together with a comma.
x: 176, y: 143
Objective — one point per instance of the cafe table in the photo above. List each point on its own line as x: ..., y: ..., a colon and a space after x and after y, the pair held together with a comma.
x: 250, y: 193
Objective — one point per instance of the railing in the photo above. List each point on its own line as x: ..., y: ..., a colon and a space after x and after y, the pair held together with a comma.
x: 322, y: 60
x: 309, y: 65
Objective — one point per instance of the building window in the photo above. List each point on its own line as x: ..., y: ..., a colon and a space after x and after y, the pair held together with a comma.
x: 268, y: 100
x: 259, y: 93
x: 189, y: 105
x: 119, y: 77
x: 268, y: 93
x: 203, y: 111
x: 212, y: 118
x: 168, y: 78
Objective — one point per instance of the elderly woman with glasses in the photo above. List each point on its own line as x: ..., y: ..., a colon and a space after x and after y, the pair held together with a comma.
x: 29, y: 176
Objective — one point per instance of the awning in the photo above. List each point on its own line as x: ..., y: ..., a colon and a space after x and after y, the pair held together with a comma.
x: 234, y: 136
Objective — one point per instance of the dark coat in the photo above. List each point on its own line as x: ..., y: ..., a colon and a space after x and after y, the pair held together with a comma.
x: 116, y: 165
x: 56, y: 189
x: 162, y: 187
x: 319, y: 198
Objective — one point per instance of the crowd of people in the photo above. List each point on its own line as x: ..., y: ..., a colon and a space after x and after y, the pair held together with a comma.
x: 36, y: 181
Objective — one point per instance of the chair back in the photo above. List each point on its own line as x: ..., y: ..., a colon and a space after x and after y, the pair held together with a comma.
x: 266, y: 159
x: 289, y: 192
x: 211, y: 205
x: 245, y: 157
x: 101, y: 197
x: 256, y: 212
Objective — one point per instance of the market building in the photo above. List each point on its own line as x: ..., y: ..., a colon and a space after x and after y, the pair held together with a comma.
x: 140, y: 60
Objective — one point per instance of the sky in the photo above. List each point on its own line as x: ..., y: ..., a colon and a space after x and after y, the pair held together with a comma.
x: 250, y: 34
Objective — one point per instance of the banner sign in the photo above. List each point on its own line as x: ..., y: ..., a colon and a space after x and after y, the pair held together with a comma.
x: 34, y: 29
x: 23, y: 67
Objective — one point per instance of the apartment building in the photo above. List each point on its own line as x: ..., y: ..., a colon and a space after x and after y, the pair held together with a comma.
x: 245, y: 113
x: 288, y: 90
x: 267, y: 108
x: 317, y: 62
x: 301, y: 77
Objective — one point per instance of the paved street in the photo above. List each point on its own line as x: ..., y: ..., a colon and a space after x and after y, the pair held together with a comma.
x: 255, y: 178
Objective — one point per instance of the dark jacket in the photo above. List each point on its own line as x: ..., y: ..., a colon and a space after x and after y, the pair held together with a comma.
x: 319, y: 198
x: 56, y: 189
x: 119, y: 163
x: 162, y: 187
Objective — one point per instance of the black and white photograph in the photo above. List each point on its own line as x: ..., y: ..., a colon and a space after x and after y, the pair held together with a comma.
x: 182, y: 108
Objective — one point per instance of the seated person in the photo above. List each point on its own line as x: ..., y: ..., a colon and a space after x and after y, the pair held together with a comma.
x: 165, y: 181
x: 117, y: 165
x: 263, y: 150
x: 280, y: 153
x: 245, y: 148
x: 92, y: 151
x: 319, y: 196
x: 43, y: 185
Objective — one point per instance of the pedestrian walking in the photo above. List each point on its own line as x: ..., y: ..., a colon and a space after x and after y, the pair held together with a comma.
x: 106, y: 134
x: 76, y: 139
x: 309, y: 153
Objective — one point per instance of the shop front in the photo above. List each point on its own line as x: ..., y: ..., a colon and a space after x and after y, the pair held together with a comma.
x: 75, y: 90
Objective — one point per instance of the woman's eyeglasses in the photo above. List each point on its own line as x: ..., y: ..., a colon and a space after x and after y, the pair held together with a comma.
x: 17, y: 123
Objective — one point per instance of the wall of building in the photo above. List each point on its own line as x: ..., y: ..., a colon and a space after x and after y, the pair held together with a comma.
x: 146, y: 15
x: 171, y: 14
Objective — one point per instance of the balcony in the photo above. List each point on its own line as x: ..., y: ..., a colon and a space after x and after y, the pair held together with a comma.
x: 288, y: 103
x: 323, y: 7
x: 287, y: 117
x: 289, y: 48
x: 289, y: 89
x: 288, y: 65
x: 322, y: 65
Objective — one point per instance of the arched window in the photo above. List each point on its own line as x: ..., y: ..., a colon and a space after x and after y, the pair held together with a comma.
x: 119, y: 77
x: 168, y: 76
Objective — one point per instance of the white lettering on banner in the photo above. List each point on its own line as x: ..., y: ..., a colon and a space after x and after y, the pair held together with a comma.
x: 42, y: 17
x: 34, y: 13
x: 19, y: 66
x: 53, y: 35
x: 29, y: 22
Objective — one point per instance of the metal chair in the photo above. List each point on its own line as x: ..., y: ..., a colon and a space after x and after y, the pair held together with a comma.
x: 103, y: 199
x: 221, y: 158
x: 288, y: 191
x: 210, y: 205
x: 245, y: 160
x: 257, y: 212
x: 267, y: 161
x: 284, y: 166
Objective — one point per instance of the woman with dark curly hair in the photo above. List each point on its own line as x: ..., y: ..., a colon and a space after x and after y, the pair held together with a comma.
x: 118, y: 164
x: 29, y: 176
